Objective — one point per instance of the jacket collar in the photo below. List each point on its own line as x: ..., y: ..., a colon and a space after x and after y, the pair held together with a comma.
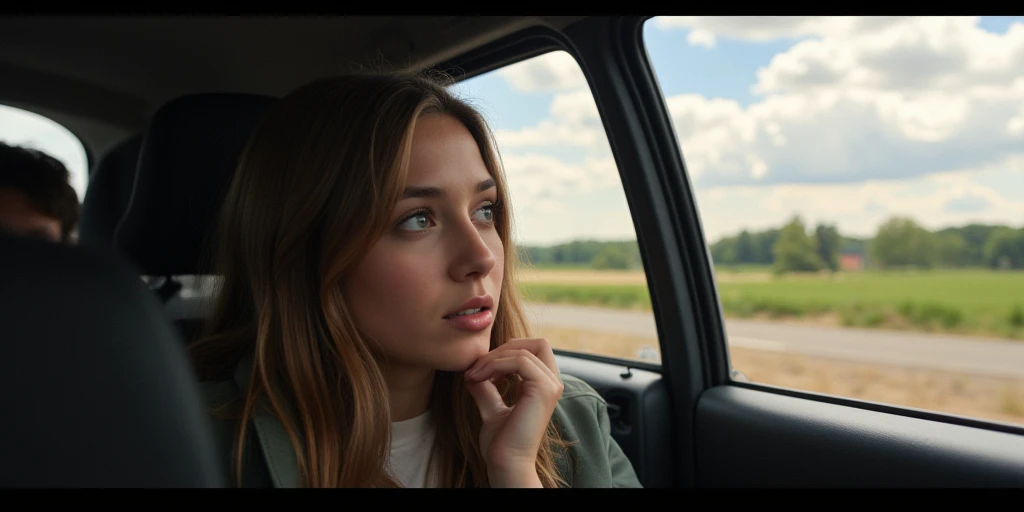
x: 273, y: 438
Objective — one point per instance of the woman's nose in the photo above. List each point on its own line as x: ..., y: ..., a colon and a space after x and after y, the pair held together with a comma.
x: 473, y: 257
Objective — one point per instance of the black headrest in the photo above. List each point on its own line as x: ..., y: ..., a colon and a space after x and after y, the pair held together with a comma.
x: 97, y: 391
x: 189, y: 153
x: 110, y: 188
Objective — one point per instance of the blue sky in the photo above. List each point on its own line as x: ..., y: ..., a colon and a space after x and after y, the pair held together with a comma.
x: 722, y: 72
x: 840, y: 120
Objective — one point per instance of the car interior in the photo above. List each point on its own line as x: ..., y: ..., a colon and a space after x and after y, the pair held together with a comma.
x: 164, y: 106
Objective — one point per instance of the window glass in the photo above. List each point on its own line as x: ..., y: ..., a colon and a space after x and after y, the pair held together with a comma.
x: 584, y: 282
x: 859, y: 180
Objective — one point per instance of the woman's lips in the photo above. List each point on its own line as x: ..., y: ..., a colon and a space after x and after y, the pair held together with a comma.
x: 476, y: 322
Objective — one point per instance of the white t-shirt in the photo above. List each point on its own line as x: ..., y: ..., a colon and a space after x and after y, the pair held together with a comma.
x: 411, y: 441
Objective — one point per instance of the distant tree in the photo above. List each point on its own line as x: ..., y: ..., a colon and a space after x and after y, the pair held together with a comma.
x: 900, y: 242
x: 951, y: 249
x: 975, y: 238
x: 764, y: 244
x: 794, y: 250
x: 613, y: 256
x: 828, y: 241
x: 636, y: 260
x: 746, y: 251
x: 1005, y: 249
x: 850, y: 245
x: 723, y: 252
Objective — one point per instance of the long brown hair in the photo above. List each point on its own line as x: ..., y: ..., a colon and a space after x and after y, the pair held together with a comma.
x: 312, y: 193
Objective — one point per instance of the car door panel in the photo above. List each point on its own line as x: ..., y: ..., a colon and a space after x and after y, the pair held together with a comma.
x: 751, y: 438
x: 639, y: 410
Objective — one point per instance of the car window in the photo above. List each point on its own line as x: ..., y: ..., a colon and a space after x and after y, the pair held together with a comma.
x: 583, y: 278
x: 859, y: 183
x: 23, y: 128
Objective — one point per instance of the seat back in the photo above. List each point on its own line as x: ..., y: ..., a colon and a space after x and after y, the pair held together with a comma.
x: 97, y: 390
x: 190, y: 149
x: 110, y: 189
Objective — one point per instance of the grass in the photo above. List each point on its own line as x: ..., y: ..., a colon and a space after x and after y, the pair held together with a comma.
x: 620, y: 296
x: 969, y: 301
x: 563, y: 266
x: 977, y: 302
x: 990, y: 398
x: 743, y: 269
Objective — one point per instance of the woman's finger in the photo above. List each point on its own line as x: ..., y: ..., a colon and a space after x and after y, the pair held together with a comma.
x: 510, y: 354
x: 539, y: 347
x: 487, y: 399
x: 523, y: 364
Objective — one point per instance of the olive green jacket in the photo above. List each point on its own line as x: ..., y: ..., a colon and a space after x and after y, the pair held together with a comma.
x: 595, y: 460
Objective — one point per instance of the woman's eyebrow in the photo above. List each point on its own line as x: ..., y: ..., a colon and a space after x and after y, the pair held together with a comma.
x: 411, y: 192
x: 485, y: 185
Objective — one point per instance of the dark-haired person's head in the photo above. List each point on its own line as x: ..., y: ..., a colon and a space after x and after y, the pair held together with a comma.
x: 36, y: 198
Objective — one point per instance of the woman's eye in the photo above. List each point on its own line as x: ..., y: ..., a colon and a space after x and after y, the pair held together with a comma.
x: 485, y: 214
x: 415, y: 222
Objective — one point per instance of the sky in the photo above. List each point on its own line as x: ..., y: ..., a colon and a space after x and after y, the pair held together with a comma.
x: 844, y: 120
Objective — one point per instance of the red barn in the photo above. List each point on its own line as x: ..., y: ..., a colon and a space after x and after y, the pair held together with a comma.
x: 851, y: 262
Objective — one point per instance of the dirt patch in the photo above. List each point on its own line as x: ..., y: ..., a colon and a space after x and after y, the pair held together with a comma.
x: 743, y: 277
x: 591, y: 277
x: 827, y: 319
x: 969, y: 395
x: 996, y: 399
x: 596, y: 277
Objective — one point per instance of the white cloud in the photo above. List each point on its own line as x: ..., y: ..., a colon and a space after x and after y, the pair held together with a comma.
x: 574, y: 121
x: 547, y: 133
x: 555, y: 200
x: 925, y: 53
x: 534, y: 177
x: 859, y: 208
x: 770, y: 28
x: 758, y: 168
x: 1015, y: 126
x: 814, y: 136
x: 755, y: 28
x: 555, y: 71
x: 575, y: 108
x: 700, y: 37
x: 713, y: 134
x: 866, y: 99
x: 836, y: 109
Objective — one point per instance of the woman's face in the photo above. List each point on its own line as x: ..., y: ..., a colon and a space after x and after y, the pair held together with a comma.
x: 441, y: 256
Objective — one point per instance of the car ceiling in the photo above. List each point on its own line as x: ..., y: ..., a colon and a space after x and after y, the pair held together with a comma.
x: 101, y: 77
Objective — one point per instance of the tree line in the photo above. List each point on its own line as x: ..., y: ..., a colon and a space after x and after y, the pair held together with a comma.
x: 900, y: 242
x: 620, y: 255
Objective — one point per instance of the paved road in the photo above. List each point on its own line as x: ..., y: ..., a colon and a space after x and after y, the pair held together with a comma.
x: 982, y: 356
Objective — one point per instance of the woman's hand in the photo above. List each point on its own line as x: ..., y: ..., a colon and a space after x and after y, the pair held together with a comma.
x: 510, y: 436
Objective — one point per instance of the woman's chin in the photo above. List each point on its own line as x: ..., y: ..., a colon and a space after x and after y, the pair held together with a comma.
x: 462, y: 359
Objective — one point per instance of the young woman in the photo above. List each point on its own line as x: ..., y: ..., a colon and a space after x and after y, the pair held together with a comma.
x: 368, y: 331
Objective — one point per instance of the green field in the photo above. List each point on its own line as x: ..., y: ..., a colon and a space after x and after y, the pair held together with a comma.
x: 954, y: 301
x: 742, y: 269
